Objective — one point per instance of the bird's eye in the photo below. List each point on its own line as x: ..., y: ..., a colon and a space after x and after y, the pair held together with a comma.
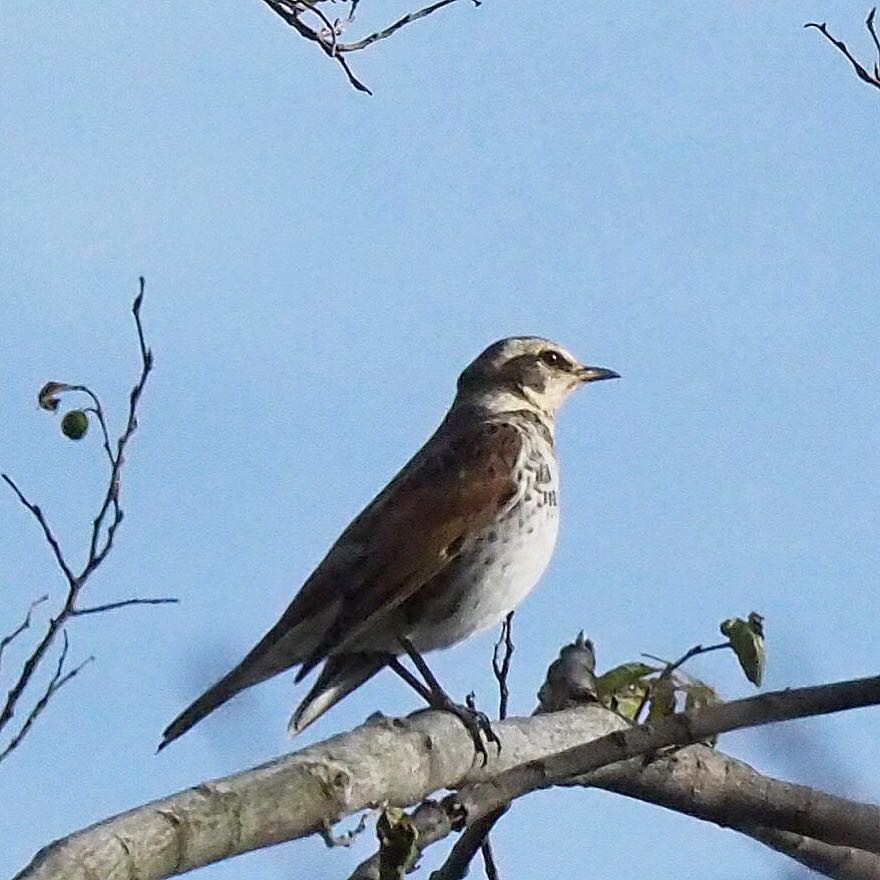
x: 553, y: 358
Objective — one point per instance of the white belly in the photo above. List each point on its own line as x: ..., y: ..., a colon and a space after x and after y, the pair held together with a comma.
x: 492, y: 576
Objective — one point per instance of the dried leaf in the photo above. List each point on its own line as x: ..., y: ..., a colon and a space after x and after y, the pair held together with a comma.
x: 397, y: 843
x: 747, y: 640
x: 75, y: 424
x: 48, y: 396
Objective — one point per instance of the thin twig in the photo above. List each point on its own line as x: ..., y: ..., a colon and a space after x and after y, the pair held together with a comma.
x: 58, y: 680
x: 103, y: 531
x: 25, y: 624
x: 869, y: 24
x: 47, y: 531
x: 292, y: 18
x: 472, y: 841
x: 501, y: 664
x: 872, y: 79
x: 476, y: 838
x: 112, y: 606
x: 98, y: 411
x: 383, y: 34
x: 347, y: 838
x: 672, y: 666
x: 290, y: 13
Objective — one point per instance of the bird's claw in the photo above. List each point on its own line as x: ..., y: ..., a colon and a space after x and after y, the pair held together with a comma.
x: 476, y: 723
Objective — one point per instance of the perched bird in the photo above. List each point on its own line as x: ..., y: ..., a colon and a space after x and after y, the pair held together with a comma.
x: 451, y: 545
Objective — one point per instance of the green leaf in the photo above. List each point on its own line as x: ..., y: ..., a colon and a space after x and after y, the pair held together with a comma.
x: 697, y: 694
x: 662, y: 699
x: 75, y: 424
x: 747, y: 640
x: 627, y: 703
x: 616, y: 681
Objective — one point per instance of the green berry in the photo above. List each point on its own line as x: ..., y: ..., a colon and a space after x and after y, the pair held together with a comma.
x: 75, y: 424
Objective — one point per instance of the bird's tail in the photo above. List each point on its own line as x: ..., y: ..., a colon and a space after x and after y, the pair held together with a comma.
x: 243, y: 676
x: 341, y: 674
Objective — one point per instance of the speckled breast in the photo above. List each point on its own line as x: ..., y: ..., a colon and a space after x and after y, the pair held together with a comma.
x: 498, y: 567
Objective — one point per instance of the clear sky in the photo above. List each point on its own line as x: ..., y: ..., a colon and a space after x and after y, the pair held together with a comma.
x: 688, y: 196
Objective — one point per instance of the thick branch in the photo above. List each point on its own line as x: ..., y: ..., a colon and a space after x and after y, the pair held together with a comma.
x: 837, y: 862
x: 704, y: 784
x: 697, y: 781
x: 842, y: 823
x: 304, y: 792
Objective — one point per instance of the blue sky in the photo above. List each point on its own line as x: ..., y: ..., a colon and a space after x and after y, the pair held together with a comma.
x: 687, y: 197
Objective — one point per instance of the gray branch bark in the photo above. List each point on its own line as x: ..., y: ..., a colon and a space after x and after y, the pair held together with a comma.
x: 842, y: 822
x: 306, y: 792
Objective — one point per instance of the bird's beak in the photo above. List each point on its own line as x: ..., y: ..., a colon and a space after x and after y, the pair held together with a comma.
x: 596, y: 374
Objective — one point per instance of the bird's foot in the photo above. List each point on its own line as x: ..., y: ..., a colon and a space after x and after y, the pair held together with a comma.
x: 476, y: 722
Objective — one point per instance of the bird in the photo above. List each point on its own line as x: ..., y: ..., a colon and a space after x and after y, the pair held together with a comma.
x: 448, y: 548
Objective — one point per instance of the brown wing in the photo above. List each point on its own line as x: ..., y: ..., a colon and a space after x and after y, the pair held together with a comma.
x: 455, y: 486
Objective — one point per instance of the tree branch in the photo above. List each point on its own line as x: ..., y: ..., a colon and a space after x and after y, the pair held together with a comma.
x: 103, y: 531
x: 476, y: 837
x: 291, y: 11
x: 125, y: 603
x: 6, y: 641
x: 697, y: 781
x: 854, y: 827
x: 872, y: 78
x: 707, y: 785
x: 299, y: 794
x: 58, y: 680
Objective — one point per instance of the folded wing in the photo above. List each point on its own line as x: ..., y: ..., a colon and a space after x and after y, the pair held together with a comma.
x: 455, y: 486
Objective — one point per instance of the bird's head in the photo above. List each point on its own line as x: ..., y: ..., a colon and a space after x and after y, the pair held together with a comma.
x: 522, y: 372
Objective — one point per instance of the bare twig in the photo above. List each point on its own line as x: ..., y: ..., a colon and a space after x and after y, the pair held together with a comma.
x: 501, y: 663
x: 125, y: 603
x: 347, y: 838
x: 291, y: 14
x: 472, y: 841
x: 58, y: 680
x: 672, y: 666
x: 47, y: 531
x: 872, y: 78
x: 869, y: 24
x: 291, y: 11
x: 25, y: 624
x: 476, y: 838
x: 393, y: 28
x: 103, y: 531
